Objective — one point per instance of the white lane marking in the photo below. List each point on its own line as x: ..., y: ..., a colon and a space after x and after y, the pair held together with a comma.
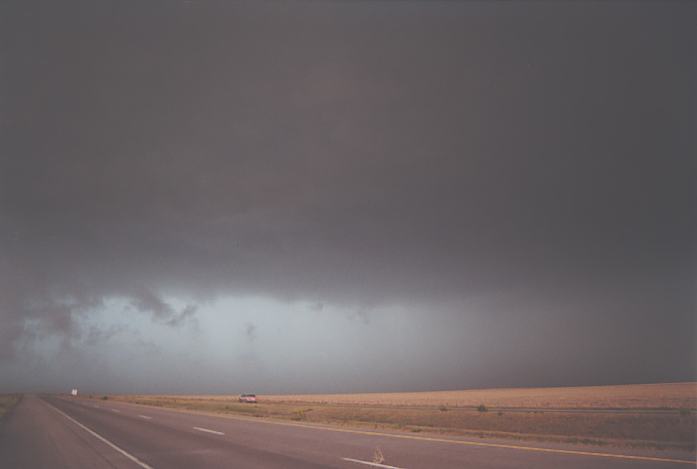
x: 208, y: 431
x: 116, y: 410
x: 101, y: 438
x: 145, y: 417
x: 374, y: 464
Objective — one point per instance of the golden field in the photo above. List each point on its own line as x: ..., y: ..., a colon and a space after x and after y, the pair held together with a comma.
x: 654, y: 415
x: 7, y: 401
x: 633, y: 396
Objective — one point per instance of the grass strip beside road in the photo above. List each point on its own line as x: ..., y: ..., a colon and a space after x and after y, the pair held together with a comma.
x: 7, y: 401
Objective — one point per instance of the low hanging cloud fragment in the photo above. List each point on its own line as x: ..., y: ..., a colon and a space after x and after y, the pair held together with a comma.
x: 162, y: 312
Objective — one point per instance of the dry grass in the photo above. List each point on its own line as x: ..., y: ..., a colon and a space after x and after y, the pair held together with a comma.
x: 7, y: 401
x: 652, y: 415
x: 633, y: 396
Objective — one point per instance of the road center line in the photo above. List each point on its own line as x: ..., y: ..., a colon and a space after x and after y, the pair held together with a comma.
x: 368, y: 463
x: 101, y: 438
x: 145, y: 417
x: 208, y: 431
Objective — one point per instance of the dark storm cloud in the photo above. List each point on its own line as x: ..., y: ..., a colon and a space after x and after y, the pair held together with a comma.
x: 539, y: 157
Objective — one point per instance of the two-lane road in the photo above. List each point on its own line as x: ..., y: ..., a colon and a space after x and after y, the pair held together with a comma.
x: 56, y: 432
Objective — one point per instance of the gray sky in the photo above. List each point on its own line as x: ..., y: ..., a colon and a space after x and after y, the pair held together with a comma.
x: 346, y: 196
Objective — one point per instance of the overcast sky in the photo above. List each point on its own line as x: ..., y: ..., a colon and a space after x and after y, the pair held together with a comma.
x: 206, y: 196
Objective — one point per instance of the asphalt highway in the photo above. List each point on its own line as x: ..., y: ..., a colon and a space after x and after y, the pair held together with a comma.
x: 59, y: 432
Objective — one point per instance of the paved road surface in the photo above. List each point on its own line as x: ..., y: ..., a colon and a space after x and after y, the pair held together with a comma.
x: 53, y: 432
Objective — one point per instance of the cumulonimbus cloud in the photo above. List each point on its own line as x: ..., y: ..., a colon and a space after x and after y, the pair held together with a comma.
x: 348, y: 165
